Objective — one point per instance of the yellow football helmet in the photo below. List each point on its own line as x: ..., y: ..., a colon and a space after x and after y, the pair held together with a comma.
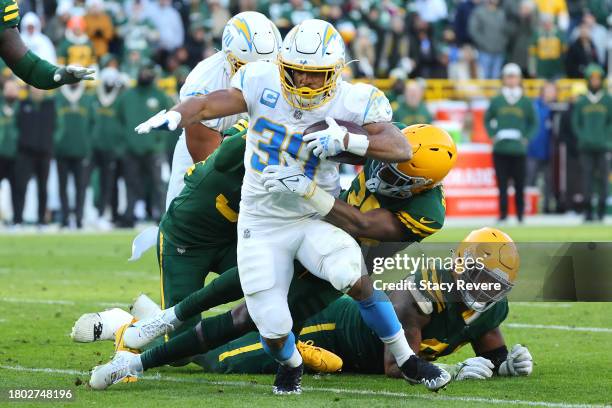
x: 313, y: 46
x: 434, y: 155
x: 486, y: 255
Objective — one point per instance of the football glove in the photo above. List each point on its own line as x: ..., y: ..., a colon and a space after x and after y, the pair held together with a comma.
x: 328, y: 142
x: 475, y: 368
x: 73, y: 73
x: 518, y: 362
x: 287, y: 178
x: 163, y: 120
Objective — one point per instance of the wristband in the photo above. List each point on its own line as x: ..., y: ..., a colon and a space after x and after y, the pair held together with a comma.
x: 320, y: 199
x: 357, y: 144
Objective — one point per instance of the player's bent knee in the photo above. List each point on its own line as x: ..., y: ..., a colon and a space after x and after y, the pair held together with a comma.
x: 272, y: 317
x: 343, y: 268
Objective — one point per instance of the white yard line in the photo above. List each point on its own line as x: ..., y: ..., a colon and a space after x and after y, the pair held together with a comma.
x: 544, y: 305
x: 60, y: 302
x: 431, y: 397
x: 557, y: 327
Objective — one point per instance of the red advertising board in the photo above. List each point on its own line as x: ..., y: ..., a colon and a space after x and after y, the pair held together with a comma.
x: 471, y: 187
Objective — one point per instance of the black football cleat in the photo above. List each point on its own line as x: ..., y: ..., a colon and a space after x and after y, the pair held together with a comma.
x: 418, y: 371
x: 288, y: 380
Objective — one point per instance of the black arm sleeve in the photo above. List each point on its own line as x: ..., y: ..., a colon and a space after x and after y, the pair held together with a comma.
x: 496, y: 356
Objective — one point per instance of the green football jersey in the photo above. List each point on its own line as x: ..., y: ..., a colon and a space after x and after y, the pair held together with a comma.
x: 10, y: 14
x: 422, y: 214
x: 452, y: 325
x: 206, y: 217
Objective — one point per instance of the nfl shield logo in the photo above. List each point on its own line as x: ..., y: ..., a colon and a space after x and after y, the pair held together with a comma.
x: 297, y: 114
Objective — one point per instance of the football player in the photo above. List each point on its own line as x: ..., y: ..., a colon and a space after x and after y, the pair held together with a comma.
x: 439, y: 323
x: 408, y: 214
x: 24, y: 63
x: 276, y: 229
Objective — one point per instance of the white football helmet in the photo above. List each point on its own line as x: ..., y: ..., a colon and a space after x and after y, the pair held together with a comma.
x: 249, y: 37
x: 312, y: 46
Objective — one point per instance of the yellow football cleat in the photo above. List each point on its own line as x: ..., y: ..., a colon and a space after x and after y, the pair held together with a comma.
x: 119, y: 341
x: 318, y: 359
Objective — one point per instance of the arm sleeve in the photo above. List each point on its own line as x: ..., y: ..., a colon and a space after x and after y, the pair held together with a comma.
x: 35, y: 71
x: 231, y: 152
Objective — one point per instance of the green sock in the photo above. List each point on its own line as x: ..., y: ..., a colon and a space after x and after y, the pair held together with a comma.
x: 226, y: 288
x: 216, y: 330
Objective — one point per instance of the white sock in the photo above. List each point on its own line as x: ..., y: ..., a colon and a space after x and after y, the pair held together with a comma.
x: 399, y: 347
x: 135, y: 365
x: 295, y: 360
x: 169, y: 316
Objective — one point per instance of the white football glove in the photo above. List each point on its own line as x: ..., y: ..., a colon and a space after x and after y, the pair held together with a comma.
x: 475, y: 368
x: 287, y: 178
x: 163, y: 120
x: 518, y: 362
x: 328, y: 142
x: 73, y: 73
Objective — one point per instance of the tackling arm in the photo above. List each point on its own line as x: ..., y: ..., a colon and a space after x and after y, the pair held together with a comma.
x: 387, y: 143
x: 379, y: 224
x: 201, y: 141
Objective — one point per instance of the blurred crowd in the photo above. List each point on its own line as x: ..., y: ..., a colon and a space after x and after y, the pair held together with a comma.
x: 454, y: 39
x: 144, y: 49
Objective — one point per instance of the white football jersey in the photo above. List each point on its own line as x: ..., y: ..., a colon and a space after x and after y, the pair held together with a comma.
x: 210, y: 75
x: 276, y: 126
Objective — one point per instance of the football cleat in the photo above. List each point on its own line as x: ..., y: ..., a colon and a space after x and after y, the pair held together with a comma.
x: 99, y: 326
x: 288, y: 380
x: 119, y: 369
x: 418, y: 371
x: 318, y: 359
x: 144, y: 331
x: 144, y: 307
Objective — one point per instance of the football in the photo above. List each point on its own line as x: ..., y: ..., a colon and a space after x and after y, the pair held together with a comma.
x: 344, y: 157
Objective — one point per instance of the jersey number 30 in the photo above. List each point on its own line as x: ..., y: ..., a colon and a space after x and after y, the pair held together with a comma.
x: 275, y: 140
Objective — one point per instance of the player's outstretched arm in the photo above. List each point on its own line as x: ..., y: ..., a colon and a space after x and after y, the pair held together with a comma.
x: 379, y: 224
x: 387, y: 143
x: 32, y: 69
x: 217, y: 104
x: 491, y: 345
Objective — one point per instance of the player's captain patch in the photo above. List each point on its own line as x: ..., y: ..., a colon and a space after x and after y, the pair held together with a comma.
x: 269, y: 98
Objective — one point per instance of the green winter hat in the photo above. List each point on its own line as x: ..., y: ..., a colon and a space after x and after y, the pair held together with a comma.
x: 592, y: 69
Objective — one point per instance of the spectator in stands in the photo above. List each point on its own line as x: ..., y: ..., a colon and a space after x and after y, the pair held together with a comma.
x: 8, y: 134
x: 602, y: 10
x: 539, y: 149
x: 395, y: 46
x: 219, y: 16
x: 557, y: 9
x: 75, y: 48
x: 511, y: 122
x: 107, y: 135
x: 36, y: 118
x: 592, y: 125
x: 489, y: 32
x: 410, y: 108
x: 73, y: 147
x: 364, y: 52
x: 143, y: 158
x: 196, y: 44
x: 138, y: 33
x: 36, y: 41
x: 547, y: 49
x: 425, y: 53
x: 462, y: 17
x: 56, y: 26
x: 99, y: 27
x: 597, y: 33
x: 168, y: 23
x: 523, y: 23
x: 581, y: 53
x: 291, y: 13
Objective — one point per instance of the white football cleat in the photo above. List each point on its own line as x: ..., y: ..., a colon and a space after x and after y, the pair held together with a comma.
x: 145, y: 331
x: 99, y: 326
x: 144, y: 307
x: 120, y: 368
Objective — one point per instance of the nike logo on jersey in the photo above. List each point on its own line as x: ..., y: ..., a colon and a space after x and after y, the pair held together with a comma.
x: 424, y: 220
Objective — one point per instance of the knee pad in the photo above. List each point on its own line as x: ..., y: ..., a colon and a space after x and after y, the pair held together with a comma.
x: 343, y: 268
x: 270, y: 314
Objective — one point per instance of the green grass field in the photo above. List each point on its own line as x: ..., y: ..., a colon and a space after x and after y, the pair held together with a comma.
x: 48, y: 281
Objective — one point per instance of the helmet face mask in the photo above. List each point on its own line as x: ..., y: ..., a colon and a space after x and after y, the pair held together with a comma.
x: 391, y: 182
x: 479, y: 299
x: 312, y: 47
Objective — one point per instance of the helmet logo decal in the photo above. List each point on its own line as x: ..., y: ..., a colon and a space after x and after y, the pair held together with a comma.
x: 328, y: 35
x: 244, y: 29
